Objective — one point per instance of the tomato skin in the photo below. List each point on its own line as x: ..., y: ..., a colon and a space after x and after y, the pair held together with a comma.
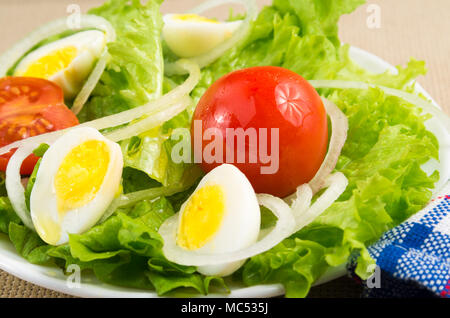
x: 268, y: 97
x: 29, y: 107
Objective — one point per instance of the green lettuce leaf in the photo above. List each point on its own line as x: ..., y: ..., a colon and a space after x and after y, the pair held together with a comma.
x: 2, y: 184
x: 294, y: 263
x: 165, y: 283
x: 27, y: 243
x: 148, y: 157
x: 134, y: 73
x: 7, y: 215
x: 150, y: 152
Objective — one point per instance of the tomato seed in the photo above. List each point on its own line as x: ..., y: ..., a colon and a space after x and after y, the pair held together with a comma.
x: 15, y: 90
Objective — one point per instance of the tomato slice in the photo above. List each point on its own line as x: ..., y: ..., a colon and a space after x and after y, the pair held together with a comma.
x: 260, y: 99
x: 29, y: 107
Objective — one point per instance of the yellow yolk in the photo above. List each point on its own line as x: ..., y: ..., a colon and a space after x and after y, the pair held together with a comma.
x: 81, y: 175
x: 52, y: 63
x: 202, y: 217
x: 193, y: 18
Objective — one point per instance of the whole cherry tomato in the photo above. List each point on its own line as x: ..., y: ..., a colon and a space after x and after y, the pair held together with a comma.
x: 259, y: 99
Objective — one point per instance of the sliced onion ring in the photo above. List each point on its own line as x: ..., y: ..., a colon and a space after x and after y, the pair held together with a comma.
x: 282, y: 229
x: 411, y: 98
x: 124, y: 117
x: 87, y: 21
x: 336, y: 184
x: 133, y: 198
x: 240, y: 34
x: 339, y: 126
x: 14, y: 186
x: 149, y: 122
x: 90, y: 84
x: 302, y: 202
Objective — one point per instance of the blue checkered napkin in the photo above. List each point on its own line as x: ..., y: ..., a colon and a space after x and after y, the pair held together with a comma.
x: 414, y: 257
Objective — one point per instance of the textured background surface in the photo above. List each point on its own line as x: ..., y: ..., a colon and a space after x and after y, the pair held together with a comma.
x: 408, y: 28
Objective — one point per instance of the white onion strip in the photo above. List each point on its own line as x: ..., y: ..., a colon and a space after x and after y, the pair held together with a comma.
x: 282, y: 229
x: 411, y: 98
x: 149, y: 122
x: 339, y: 128
x: 336, y: 183
x: 302, y: 202
x: 90, y: 83
x: 132, y: 198
x: 124, y: 117
x: 87, y: 21
x: 239, y: 35
x: 14, y: 186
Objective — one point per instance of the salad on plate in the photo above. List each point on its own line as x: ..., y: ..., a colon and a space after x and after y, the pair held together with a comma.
x: 179, y: 153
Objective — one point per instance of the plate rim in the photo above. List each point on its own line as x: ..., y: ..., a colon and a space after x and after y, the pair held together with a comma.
x: 52, y: 277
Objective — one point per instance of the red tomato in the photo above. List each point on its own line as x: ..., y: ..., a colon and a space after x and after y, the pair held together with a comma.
x: 266, y: 97
x: 29, y: 107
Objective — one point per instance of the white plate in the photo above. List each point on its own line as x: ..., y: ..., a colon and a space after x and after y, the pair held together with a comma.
x: 53, y: 278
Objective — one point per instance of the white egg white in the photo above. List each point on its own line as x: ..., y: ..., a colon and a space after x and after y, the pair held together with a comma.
x: 191, y: 37
x: 43, y: 200
x: 240, y: 225
x: 89, y: 44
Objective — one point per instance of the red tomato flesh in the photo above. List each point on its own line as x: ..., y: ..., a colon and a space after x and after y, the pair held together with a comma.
x: 267, y: 97
x: 29, y: 107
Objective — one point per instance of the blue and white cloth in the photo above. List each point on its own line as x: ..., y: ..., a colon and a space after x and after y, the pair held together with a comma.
x: 414, y: 257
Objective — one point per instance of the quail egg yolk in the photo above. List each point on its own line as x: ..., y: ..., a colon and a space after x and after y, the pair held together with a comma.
x: 52, y: 63
x: 201, y: 217
x: 193, y: 18
x: 80, y: 175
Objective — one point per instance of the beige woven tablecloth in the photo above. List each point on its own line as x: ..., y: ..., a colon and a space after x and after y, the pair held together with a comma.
x: 405, y: 28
